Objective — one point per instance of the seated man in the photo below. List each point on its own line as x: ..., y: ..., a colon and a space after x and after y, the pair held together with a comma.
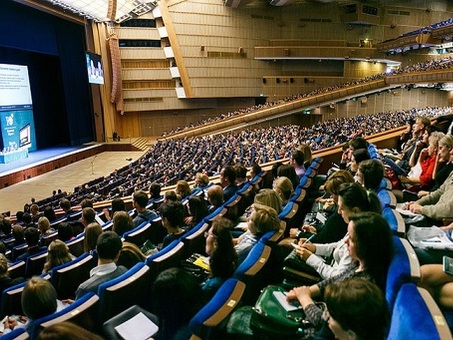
x: 143, y: 214
x: 108, y: 248
x: 32, y: 236
x: 228, y: 182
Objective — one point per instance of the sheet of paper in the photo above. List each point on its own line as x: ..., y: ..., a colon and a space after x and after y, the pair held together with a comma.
x: 137, y: 328
x: 281, y: 298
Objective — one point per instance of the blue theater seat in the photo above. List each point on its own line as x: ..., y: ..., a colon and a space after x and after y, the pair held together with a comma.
x: 417, y: 316
x: 83, y: 312
x: 404, y: 268
x: 206, y: 323
x: 170, y: 256
x: 395, y: 221
x: 387, y: 198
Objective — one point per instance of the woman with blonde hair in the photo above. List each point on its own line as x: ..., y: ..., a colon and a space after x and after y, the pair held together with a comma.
x: 92, y: 232
x: 182, y: 189
x: 284, y: 189
x: 57, y: 254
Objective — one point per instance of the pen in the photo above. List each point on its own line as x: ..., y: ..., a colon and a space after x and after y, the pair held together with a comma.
x: 309, y: 239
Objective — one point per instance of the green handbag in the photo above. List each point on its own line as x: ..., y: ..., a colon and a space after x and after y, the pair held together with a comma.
x: 271, y: 318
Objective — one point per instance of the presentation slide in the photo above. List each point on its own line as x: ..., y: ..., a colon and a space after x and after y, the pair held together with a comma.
x: 16, y: 112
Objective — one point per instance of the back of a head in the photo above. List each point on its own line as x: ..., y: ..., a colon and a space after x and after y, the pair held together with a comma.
x: 298, y: 156
x: 305, y: 148
x: 31, y: 235
x: 34, y: 209
x: 241, y: 171
x: 66, y: 330
x: 92, y: 232
x: 359, y: 306
x: 3, y: 266
x: 43, y: 224
x: 122, y: 222
x: 86, y: 203
x: 265, y: 218
x: 269, y: 198
x: 284, y: 187
x: 373, y: 244
x: 155, y: 189
x: 141, y: 198
x: 182, y: 188
x: 358, y: 143
x: 65, y: 204
x: 39, y: 298
x: 171, y: 196
x: 65, y: 232
x: 230, y: 172
x: 26, y: 218
x: 118, y: 205
x: 360, y: 155
x: 354, y: 195
x: 174, y: 212
x: 335, y: 181
x: 288, y: 171
x: 176, y: 296
x: 108, y: 246
x: 215, y: 195
x: 50, y: 213
x: 372, y: 171
x: 18, y: 232
x: 89, y: 215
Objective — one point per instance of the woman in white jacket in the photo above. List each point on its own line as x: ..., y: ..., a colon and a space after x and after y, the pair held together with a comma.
x: 328, y: 260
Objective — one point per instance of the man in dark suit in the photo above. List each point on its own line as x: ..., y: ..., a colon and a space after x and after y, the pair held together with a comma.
x: 108, y: 248
x: 228, y: 182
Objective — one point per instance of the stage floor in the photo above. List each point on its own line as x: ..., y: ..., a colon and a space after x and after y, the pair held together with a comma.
x: 14, y: 197
x: 37, y: 157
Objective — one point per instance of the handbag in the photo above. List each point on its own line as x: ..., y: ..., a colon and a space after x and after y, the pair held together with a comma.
x: 270, y: 318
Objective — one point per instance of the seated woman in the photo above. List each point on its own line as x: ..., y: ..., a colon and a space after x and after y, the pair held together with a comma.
x: 358, y: 156
x: 357, y: 309
x: 423, y: 178
x: 116, y: 205
x: 261, y: 220
x: 173, y: 220
x: 57, y: 254
x: 92, y: 232
x: 39, y: 299
x: 335, y: 227
x: 369, y: 243
x: 284, y: 189
x: 222, y: 256
x: 182, y: 189
x: 122, y: 222
x: 310, y: 258
x: 44, y: 228
x: 370, y: 174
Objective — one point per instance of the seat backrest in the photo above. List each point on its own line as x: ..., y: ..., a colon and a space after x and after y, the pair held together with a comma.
x: 131, y: 288
x: 395, y: 221
x: 138, y: 235
x: 76, y: 245
x: 387, y: 198
x: 17, y: 269
x: 170, y: 256
x: 82, y: 312
x: 35, y: 264
x: 194, y: 240
x: 158, y: 231
x: 222, y: 304
x: 67, y: 277
x: 11, y: 299
x: 18, y: 250
x: 16, y: 334
x: 416, y: 315
x: 48, y: 238
x: 255, y: 271
x: 404, y: 267
x: 299, y: 195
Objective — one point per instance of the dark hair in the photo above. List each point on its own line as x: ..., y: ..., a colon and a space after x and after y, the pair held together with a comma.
x: 274, y: 169
x: 171, y: 196
x: 176, y: 299
x: 86, y: 203
x: 108, y: 246
x: 374, y: 244
x: 31, y: 235
x: 65, y: 232
x: 298, y: 156
x: 229, y: 172
x: 358, y: 143
x: 65, y: 204
x: 50, y: 213
x: 174, y: 212
x: 122, y: 222
x: 198, y: 209
x: 358, y: 305
x: 26, y: 218
x: 154, y: 190
x: 19, y: 216
x: 89, y: 215
x: 118, y: 205
x: 256, y: 169
x: 372, y: 171
x: 18, y: 233
x: 241, y: 171
x: 288, y: 171
x: 355, y: 196
x: 223, y: 260
x: 141, y: 198
x: 360, y: 155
